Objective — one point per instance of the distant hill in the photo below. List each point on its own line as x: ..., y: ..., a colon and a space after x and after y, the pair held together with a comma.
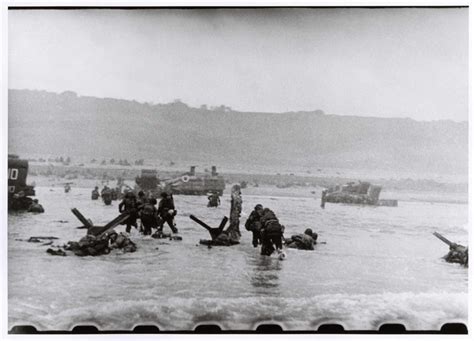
x: 67, y: 124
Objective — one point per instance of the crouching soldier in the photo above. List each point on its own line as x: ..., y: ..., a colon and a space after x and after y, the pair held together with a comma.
x: 253, y: 224
x: 457, y: 254
x: 90, y: 246
x: 303, y: 241
x: 149, y: 216
x: 36, y: 207
x: 271, y: 232
x: 121, y: 241
x: 129, y: 205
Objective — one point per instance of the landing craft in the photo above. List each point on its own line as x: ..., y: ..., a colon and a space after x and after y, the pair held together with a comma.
x: 363, y: 193
x: 188, y: 183
x: 18, y: 191
x: 192, y: 184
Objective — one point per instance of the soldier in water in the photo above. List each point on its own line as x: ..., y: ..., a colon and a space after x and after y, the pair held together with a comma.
x: 129, y: 205
x: 457, y: 254
x: 214, y: 200
x: 149, y: 216
x: 253, y: 225
x: 271, y: 232
x: 167, y: 212
x: 303, y: 241
x: 36, y: 207
x: 95, y: 193
x: 142, y: 199
x: 107, y: 195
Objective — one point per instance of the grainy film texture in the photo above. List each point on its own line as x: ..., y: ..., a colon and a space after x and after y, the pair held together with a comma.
x: 239, y: 166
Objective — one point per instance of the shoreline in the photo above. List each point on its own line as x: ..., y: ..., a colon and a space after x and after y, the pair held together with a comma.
x: 294, y: 191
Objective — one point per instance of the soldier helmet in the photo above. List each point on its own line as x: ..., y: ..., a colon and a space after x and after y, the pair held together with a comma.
x: 141, y: 194
x: 258, y: 207
x: 35, y: 201
x: 164, y: 194
x: 309, y: 232
x: 113, y: 236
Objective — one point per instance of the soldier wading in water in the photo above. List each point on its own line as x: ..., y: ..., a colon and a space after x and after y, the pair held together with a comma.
x: 167, y: 212
x: 129, y: 205
x: 271, y: 232
x: 253, y: 225
x: 149, y: 216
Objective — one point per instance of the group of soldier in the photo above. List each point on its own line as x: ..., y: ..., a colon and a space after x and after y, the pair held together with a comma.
x: 108, y: 194
x: 268, y: 232
x: 151, y: 217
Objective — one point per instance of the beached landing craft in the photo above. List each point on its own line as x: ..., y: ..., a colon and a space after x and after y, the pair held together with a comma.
x: 188, y: 183
x: 363, y: 193
x: 19, y: 192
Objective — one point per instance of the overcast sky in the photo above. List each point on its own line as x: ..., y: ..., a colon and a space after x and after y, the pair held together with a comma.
x: 408, y: 62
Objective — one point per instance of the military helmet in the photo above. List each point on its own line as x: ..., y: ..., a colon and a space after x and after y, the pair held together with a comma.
x: 309, y: 232
x: 130, y: 195
x: 258, y: 207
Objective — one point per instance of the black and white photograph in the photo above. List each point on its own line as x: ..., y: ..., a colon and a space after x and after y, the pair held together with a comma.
x: 236, y: 167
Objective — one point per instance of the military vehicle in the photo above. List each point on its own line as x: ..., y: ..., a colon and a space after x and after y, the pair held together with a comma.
x: 363, y: 193
x: 19, y: 192
x: 188, y: 183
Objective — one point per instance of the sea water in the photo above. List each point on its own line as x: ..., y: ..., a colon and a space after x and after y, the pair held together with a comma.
x: 373, y: 265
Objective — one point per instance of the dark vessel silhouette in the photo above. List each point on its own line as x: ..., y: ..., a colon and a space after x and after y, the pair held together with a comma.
x: 188, y: 183
x: 19, y: 192
x: 191, y: 183
x: 362, y: 193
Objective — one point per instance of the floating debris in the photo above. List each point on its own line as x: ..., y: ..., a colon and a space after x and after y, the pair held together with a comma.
x: 58, y: 252
x: 36, y: 239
